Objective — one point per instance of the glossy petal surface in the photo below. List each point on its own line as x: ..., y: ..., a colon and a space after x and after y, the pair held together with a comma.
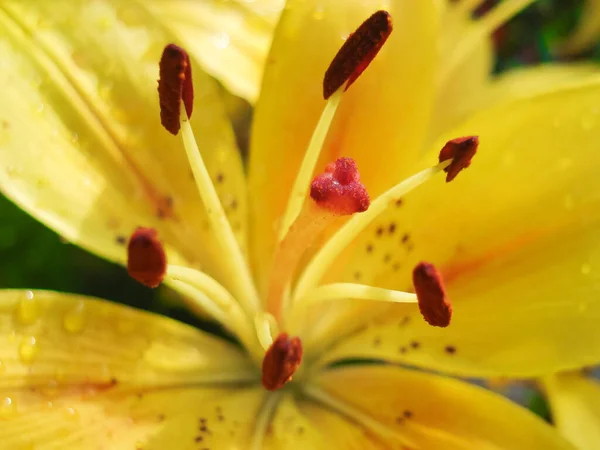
x: 83, y: 373
x: 430, y: 411
x: 515, y: 236
x: 385, y: 111
x: 80, y: 135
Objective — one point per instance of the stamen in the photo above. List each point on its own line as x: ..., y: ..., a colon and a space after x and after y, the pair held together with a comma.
x: 337, y: 192
x: 281, y: 360
x: 346, y: 291
x: 325, y: 256
x: 461, y: 152
x: 352, y: 59
x: 300, y: 188
x: 174, y: 85
x: 146, y: 259
x: 357, y: 52
x: 433, y: 302
x: 266, y: 327
x: 176, y: 80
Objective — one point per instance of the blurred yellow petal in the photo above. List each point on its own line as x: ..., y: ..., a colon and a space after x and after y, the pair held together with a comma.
x: 387, y: 109
x: 534, y: 80
x: 462, y: 88
x: 231, y: 39
x: 77, y: 372
x: 516, y: 237
x: 434, y: 412
x: 301, y: 424
x: 587, y: 32
x: 80, y: 135
x: 575, y: 403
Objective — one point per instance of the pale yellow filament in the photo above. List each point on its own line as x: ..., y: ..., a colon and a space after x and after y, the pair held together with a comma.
x: 239, y: 271
x: 323, y: 259
x: 307, y: 168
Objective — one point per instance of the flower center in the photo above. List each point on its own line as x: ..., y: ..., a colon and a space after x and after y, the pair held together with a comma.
x: 262, y: 325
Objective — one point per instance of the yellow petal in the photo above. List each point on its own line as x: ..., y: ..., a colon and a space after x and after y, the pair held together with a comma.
x: 301, y: 424
x: 516, y: 237
x: 460, y: 90
x: 88, y: 418
x: 434, y: 412
x: 80, y: 135
x: 535, y: 80
x: 575, y: 403
x: 587, y: 32
x: 386, y: 109
x: 76, y: 372
x: 52, y: 338
x: 230, y: 39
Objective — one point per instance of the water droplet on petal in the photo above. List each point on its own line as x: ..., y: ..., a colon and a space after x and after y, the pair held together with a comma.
x: 74, y: 320
x: 71, y: 413
x: 221, y: 40
x: 7, y: 408
x: 586, y: 269
x: 28, y: 349
x: 28, y: 309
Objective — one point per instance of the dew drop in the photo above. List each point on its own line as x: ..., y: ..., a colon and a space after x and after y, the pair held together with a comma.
x: 221, y: 39
x: 71, y: 413
x: 74, y: 320
x: 28, y: 309
x: 586, y: 269
x: 319, y: 13
x: 7, y: 408
x: 28, y: 349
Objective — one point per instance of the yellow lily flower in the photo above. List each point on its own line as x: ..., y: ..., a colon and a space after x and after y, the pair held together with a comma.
x: 575, y: 404
x: 83, y: 152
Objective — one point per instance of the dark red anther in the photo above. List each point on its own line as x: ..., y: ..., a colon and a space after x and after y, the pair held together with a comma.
x: 174, y: 85
x: 357, y: 52
x: 281, y: 360
x: 461, y: 151
x: 433, y: 302
x: 339, y: 189
x: 146, y: 259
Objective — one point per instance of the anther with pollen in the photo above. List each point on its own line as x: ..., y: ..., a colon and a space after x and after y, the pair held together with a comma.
x: 146, y: 259
x: 431, y: 295
x: 174, y: 86
x: 281, y: 361
x: 461, y: 151
x: 357, y: 52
